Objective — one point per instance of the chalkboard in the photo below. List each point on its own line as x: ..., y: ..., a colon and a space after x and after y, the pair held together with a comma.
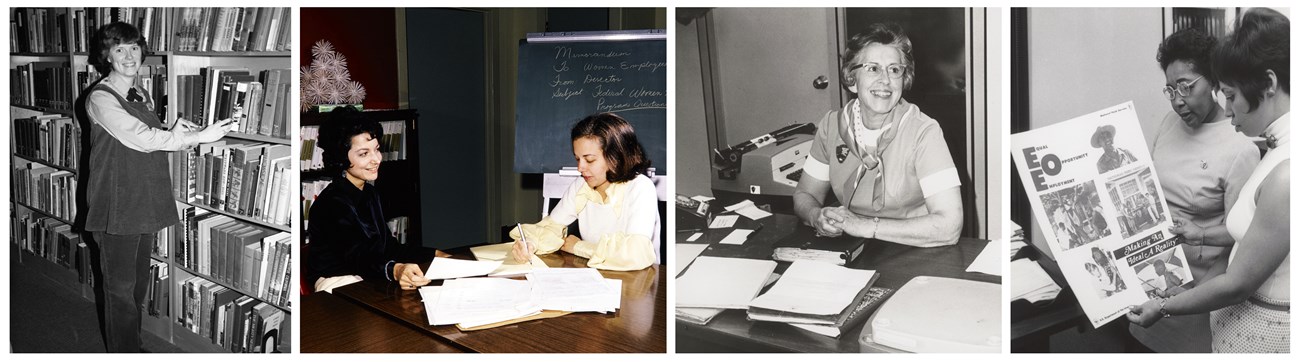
x: 561, y: 83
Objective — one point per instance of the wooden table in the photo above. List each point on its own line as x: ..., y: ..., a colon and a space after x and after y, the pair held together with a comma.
x: 334, y: 324
x: 640, y: 325
x: 731, y: 331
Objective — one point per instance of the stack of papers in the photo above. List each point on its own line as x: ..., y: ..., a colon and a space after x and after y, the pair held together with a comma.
x: 1030, y: 282
x: 987, y: 262
x: 686, y: 253
x: 575, y: 290
x: 448, y: 268
x: 508, y: 266
x: 725, y: 283
x: 473, y: 302
x: 814, y: 288
x: 1017, y: 239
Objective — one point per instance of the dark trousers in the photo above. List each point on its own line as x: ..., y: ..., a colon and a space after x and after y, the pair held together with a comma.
x: 124, y: 267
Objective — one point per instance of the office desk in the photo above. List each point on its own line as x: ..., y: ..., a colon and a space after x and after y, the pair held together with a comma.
x: 334, y: 324
x: 640, y: 325
x: 731, y: 331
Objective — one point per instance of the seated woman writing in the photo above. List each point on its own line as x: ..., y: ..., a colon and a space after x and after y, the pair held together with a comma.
x: 884, y: 159
x: 615, y: 202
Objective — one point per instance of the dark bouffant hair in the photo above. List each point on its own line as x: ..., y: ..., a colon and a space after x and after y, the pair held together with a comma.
x: 890, y: 34
x: 1262, y: 41
x: 336, y: 136
x: 112, y: 35
x: 618, y: 142
x: 1189, y: 45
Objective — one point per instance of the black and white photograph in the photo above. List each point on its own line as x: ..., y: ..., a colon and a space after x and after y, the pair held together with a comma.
x: 860, y: 137
x: 1163, y: 275
x: 151, y: 180
x: 1136, y: 200
x: 1107, y: 281
x: 1210, y: 91
x: 1077, y: 216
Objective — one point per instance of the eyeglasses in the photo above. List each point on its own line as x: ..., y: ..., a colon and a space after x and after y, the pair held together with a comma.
x: 1182, y: 89
x: 873, y: 70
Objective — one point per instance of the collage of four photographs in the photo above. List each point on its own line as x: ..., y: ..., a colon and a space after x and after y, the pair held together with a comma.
x: 522, y: 180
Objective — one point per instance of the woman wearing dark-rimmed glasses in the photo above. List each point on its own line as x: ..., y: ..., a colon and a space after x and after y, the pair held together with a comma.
x: 1202, y: 163
x: 884, y: 160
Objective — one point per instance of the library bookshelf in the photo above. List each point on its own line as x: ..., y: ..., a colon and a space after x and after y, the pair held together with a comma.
x: 203, y: 298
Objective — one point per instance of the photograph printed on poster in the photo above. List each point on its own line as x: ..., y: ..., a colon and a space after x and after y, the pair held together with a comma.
x: 1163, y: 275
x: 1106, y: 279
x: 1076, y: 215
x: 1136, y: 200
x: 1112, y: 157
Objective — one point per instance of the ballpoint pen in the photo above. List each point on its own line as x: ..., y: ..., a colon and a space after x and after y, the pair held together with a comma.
x: 523, y: 238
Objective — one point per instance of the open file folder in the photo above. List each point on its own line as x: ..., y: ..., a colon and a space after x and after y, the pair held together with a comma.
x: 471, y: 303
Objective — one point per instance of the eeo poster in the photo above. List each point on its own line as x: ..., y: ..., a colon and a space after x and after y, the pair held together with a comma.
x: 1098, y: 201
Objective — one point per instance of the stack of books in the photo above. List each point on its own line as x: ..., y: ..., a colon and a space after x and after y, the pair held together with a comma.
x: 253, y: 259
x: 259, y: 104
x: 52, y: 139
x: 232, y: 29
x: 35, y: 30
x: 42, y: 84
x: 51, y: 239
x: 244, y: 179
x: 50, y: 190
x: 158, y: 292
x: 229, y: 318
x: 310, y: 157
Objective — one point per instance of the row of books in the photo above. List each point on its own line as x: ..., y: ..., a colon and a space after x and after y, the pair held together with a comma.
x: 47, y: 189
x: 52, y: 138
x: 229, y: 318
x: 42, y: 84
x: 35, y: 30
x: 259, y: 103
x: 159, y: 290
x: 233, y: 29
x: 392, y: 144
x: 310, y: 191
x: 53, y: 240
x: 46, y: 30
x: 250, y: 179
x: 246, y: 257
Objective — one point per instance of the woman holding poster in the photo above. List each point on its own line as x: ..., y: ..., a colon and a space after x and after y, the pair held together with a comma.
x: 1249, y: 303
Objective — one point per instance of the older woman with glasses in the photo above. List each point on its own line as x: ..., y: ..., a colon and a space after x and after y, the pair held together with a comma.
x: 1249, y: 301
x: 885, y: 160
x: 1202, y: 163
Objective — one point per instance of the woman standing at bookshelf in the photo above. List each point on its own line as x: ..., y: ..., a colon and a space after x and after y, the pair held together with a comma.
x: 884, y: 160
x: 1250, y: 302
x: 128, y: 183
x: 349, y: 235
x: 615, y: 202
x: 1203, y: 164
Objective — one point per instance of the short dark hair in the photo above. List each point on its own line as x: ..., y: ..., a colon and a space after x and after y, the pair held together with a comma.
x: 1262, y: 41
x: 880, y: 33
x: 625, y: 156
x: 1188, y: 45
x: 336, y: 136
x: 111, y: 35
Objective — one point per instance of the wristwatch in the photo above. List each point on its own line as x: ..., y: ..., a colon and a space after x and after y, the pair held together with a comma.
x: 1164, y: 313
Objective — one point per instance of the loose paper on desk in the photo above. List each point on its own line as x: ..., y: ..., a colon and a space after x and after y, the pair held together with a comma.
x: 753, y: 212
x: 816, y: 288
x: 686, y: 253
x: 990, y: 260
x: 478, y: 301
x: 695, y: 236
x: 723, y: 221
x: 1098, y: 200
x: 1030, y: 282
x: 737, y: 237
x: 701, y: 198
x: 448, y: 268
x: 575, y: 290
x: 739, y: 205
x: 729, y: 283
x: 509, y: 267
